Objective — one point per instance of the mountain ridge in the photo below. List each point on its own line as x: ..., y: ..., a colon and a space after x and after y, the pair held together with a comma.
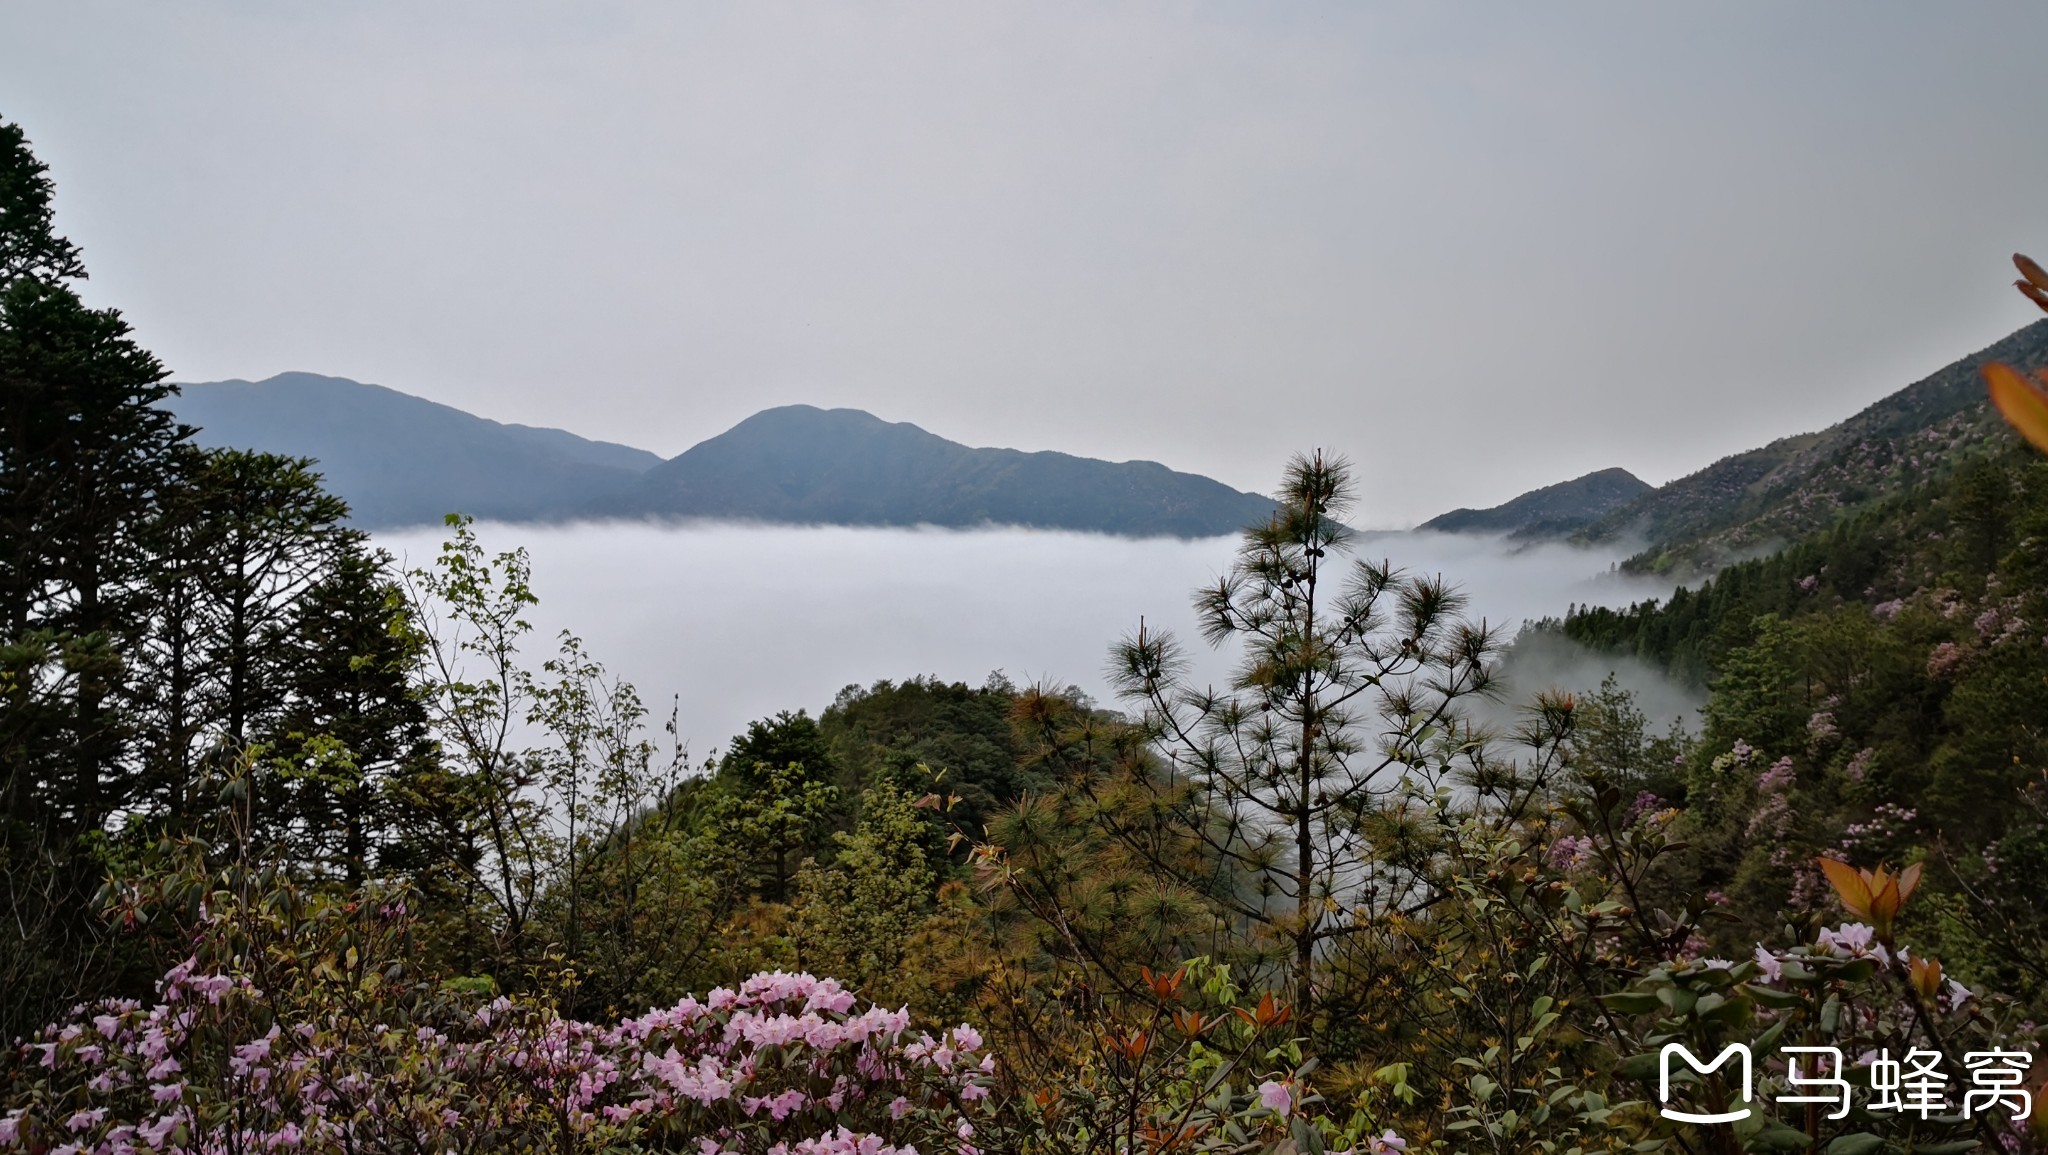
x: 403, y: 460
x: 1552, y: 511
x: 1748, y: 504
x: 848, y: 467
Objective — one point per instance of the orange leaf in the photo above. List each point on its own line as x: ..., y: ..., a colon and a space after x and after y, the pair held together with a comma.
x: 1885, y: 900
x: 1909, y: 880
x: 1851, y: 885
x: 1926, y: 976
x: 2023, y: 403
x: 2035, y: 274
x: 1164, y: 988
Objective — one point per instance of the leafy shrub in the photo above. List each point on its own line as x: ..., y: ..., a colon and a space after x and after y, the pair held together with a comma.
x: 298, y: 1025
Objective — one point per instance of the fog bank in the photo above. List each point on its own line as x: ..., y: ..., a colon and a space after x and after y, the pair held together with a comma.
x: 742, y: 621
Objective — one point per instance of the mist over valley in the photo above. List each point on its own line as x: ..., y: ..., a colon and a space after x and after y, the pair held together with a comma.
x: 742, y: 621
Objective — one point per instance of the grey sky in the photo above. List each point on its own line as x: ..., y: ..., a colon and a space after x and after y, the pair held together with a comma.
x: 1478, y: 247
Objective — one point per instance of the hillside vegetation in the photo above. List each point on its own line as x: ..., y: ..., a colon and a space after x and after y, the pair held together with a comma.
x: 1553, y: 511
x: 303, y: 850
x: 1752, y: 503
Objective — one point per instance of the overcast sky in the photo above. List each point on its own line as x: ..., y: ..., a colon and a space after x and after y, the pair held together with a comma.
x: 1480, y: 248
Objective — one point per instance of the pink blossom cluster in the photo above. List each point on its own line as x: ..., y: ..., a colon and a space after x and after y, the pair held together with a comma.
x: 1944, y: 659
x: 1851, y: 940
x: 1859, y: 766
x: 1571, y: 852
x: 786, y: 1065
x: 1886, y: 823
x: 1773, y: 815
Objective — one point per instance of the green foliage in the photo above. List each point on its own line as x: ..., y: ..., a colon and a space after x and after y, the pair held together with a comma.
x: 217, y: 700
x: 84, y: 466
x: 1344, y: 695
x: 925, y: 735
x: 857, y: 918
x: 30, y: 249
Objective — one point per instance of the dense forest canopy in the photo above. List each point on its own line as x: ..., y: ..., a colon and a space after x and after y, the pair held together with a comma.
x: 302, y: 849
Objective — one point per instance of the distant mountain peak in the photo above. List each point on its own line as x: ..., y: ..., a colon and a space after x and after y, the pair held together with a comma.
x: 803, y: 464
x: 403, y: 460
x: 1752, y: 502
x: 1558, y: 510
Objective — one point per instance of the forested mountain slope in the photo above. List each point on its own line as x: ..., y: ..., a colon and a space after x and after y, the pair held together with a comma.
x: 1874, y: 688
x: 1752, y: 502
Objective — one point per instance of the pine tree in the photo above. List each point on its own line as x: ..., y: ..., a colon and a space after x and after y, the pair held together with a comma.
x: 1344, y: 698
x: 274, y: 534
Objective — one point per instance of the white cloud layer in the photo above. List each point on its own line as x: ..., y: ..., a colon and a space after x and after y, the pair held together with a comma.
x: 742, y: 621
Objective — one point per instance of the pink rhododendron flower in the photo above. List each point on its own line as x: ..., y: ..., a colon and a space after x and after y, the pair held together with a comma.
x: 1276, y: 1097
x: 1769, y: 964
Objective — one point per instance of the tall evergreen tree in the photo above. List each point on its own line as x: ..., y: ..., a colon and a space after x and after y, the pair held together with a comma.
x: 275, y: 534
x: 30, y: 248
x: 85, y: 458
x: 353, y: 737
x: 1345, y: 695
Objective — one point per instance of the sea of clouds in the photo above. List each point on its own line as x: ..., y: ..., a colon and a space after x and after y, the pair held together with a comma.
x: 740, y: 621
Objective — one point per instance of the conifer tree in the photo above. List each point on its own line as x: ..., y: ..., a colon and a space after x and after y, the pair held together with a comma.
x: 275, y: 534
x: 30, y: 248
x: 1343, y: 699
x: 352, y: 740
x: 85, y: 456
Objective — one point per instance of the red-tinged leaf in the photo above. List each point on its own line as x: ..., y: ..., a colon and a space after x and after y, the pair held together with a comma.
x: 2022, y: 403
x: 1909, y: 879
x: 1851, y: 885
x: 2035, y: 274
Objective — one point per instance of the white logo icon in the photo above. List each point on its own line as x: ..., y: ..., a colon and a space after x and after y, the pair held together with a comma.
x: 1735, y: 1050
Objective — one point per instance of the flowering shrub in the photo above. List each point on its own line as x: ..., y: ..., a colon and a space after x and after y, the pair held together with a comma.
x: 1191, y: 1066
x: 296, y: 1027
x: 1855, y: 990
x: 783, y: 1064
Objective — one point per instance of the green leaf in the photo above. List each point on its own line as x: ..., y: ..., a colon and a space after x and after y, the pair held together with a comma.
x: 1638, y: 1068
x: 1855, y: 1143
x: 1774, y: 998
x: 1778, y: 1137
x: 1680, y: 1000
x: 1632, y: 1002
